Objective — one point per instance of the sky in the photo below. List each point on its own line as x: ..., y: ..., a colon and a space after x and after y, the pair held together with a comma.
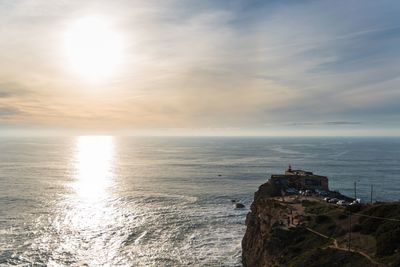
x: 273, y: 68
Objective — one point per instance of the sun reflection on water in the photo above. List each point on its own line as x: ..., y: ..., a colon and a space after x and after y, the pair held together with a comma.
x: 88, y: 212
x: 94, y: 161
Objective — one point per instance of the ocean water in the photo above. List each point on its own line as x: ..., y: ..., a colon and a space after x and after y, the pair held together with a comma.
x: 109, y: 201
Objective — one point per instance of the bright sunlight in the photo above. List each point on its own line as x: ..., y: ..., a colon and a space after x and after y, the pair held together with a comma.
x: 93, y: 49
x: 94, y: 156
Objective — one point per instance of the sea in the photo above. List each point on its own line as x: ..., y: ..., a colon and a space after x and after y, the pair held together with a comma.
x: 161, y: 201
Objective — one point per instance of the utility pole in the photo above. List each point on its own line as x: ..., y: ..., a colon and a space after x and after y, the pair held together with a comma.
x: 349, y: 245
x: 372, y: 190
x: 355, y: 190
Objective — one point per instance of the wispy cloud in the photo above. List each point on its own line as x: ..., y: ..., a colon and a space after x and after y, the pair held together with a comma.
x: 209, y: 64
x: 333, y: 123
x: 8, y: 90
x: 6, y: 112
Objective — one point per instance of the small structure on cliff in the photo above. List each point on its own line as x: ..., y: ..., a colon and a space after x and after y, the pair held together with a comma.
x: 300, y: 179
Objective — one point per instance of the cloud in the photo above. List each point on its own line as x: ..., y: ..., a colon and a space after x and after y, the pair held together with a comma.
x: 328, y: 123
x: 6, y: 112
x: 5, y: 93
x: 343, y: 123
x: 12, y: 90
x: 209, y: 64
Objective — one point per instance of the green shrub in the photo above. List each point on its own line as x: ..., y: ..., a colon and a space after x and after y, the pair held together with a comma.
x: 326, y: 225
x: 316, y: 207
x: 290, y: 243
x: 369, y: 225
x: 388, y: 238
x: 322, y: 219
x: 386, y: 233
x: 356, y: 228
x: 329, y: 257
x: 354, y: 208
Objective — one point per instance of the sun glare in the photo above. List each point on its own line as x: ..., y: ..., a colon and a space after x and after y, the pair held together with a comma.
x: 93, y: 49
x: 94, y: 156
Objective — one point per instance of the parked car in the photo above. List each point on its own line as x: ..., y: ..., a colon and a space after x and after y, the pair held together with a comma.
x: 357, y: 201
x: 321, y: 192
x: 326, y: 199
x: 341, y: 203
x: 333, y: 200
x: 292, y: 190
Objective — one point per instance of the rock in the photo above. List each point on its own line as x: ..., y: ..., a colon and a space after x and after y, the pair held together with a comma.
x: 270, y: 242
x: 239, y: 206
x: 264, y: 213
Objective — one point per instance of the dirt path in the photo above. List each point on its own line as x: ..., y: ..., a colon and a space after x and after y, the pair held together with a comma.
x: 299, y: 209
x: 336, y: 246
x: 359, y: 252
x: 320, y: 234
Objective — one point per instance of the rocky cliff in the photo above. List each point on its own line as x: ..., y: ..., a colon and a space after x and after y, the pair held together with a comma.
x: 301, y: 231
x: 265, y: 212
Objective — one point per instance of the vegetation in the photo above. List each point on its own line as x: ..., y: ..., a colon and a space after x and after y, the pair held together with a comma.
x: 326, y: 225
x: 292, y: 242
x: 356, y: 228
x: 316, y: 207
x: 386, y: 232
x: 299, y: 247
x: 323, y: 235
x: 380, y: 235
x: 329, y: 257
x: 323, y: 220
x: 354, y: 208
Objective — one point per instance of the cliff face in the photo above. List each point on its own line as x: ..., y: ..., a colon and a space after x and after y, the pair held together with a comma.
x: 279, y: 233
x: 260, y: 221
x: 265, y: 213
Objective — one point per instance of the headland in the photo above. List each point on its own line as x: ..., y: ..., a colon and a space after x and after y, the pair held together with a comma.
x: 295, y: 220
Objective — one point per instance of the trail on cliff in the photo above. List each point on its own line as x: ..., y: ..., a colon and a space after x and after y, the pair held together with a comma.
x: 336, y: 246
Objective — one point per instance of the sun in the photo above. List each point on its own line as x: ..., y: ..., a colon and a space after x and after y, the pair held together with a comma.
x: 93, y: 49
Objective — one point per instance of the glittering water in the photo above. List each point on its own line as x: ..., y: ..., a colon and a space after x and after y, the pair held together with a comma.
x: 99, y: 201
